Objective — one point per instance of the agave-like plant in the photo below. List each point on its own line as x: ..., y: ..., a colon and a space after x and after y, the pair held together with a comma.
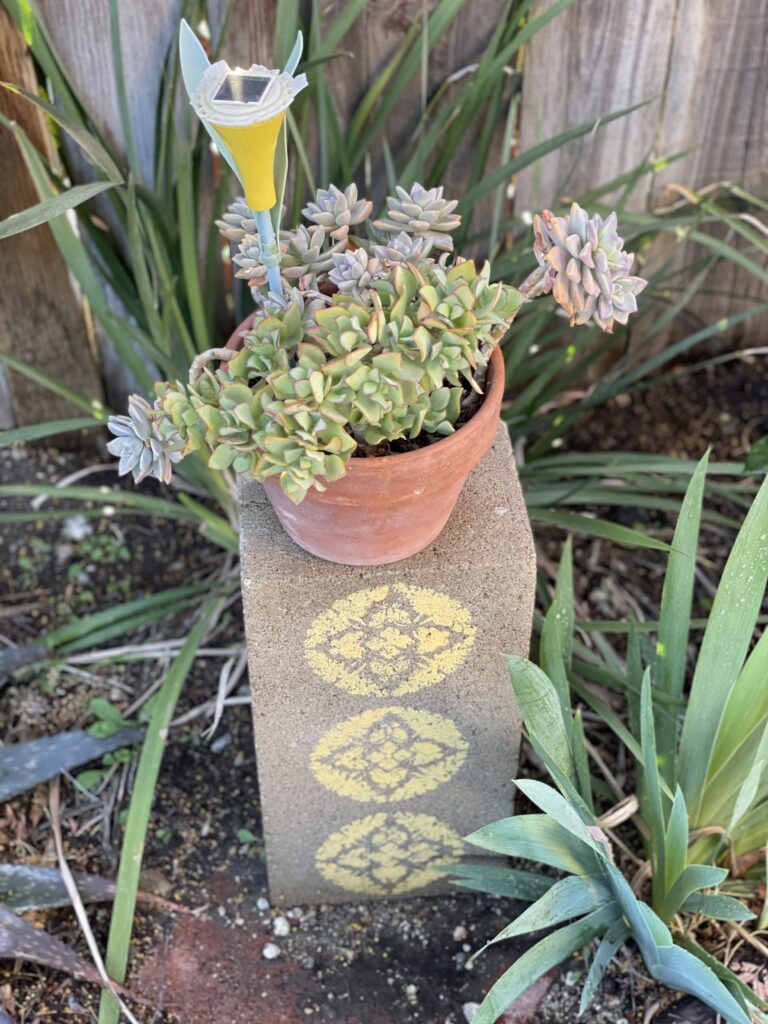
x: 702, y: 789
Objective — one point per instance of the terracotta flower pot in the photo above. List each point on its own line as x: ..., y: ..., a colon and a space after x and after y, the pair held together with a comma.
x: 386, y: 509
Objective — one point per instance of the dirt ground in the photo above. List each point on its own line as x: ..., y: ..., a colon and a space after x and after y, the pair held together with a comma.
x: 398, y: 962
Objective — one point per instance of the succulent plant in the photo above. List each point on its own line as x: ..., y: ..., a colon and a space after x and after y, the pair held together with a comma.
x: 365, y: 345
x: 447, y: 320
x: 307, y: 302
x: 583, y: 263
x: 238, y: 221
x: 422, y: 212
x: 248, y: 260
x: 353, y: 270
x: 143, y: 448
x: 338, y: 211
x: 304, y: 253
x: 404, y: 248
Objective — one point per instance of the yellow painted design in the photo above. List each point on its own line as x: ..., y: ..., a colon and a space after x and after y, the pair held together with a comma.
x: 387, y: 853
x: 390, y: 640
x: 389, y: 754
x: 253, y: 150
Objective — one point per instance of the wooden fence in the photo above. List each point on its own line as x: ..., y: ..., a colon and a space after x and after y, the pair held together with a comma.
x: 705, y: 63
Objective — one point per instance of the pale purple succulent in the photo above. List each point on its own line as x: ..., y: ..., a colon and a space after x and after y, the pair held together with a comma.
x: 404, y: 248
x: 337, y: 211
x: 354, y: 270
x: 422, y: 212
x: 142, y: 449
x: 238, y: 221
x: 583, y: 263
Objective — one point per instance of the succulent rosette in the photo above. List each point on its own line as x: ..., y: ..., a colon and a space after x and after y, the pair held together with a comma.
x: 583, y: 263
x: 143, y: 448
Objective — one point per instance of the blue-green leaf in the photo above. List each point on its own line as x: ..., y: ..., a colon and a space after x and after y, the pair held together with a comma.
x: 676, y: 840
x: 679, y: 969
x: 726, y: 641
x: 654, y: 811
x: 721, y: 908
x: 536, y: 961
x: 690, y: 880
x: 610, y: 944
x: 497, y: 879
x: 542, y: 711
x: 675, y: 614
x: 36, y: 431
x: 570, y: 897
x: 537, y: 837
x: 558, y: 808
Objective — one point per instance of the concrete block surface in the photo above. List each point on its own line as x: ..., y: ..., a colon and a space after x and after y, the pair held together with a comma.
x: 386, y: 727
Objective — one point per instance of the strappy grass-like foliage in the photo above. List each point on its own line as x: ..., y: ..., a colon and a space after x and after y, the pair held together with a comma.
x: 701, y: 774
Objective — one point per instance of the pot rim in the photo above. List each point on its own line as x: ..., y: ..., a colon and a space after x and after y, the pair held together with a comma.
x: 495, y: 384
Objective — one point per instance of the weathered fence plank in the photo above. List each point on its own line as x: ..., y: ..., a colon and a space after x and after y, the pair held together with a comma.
x: 41, y: 321
x: 716, y: 106
x: 594, y: 58
x: 706, y: 61
x: 79, y: 31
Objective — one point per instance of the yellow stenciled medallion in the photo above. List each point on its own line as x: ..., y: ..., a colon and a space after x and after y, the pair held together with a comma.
x: 389, y: 640
x: 389, y: 754
x: 387, y: 854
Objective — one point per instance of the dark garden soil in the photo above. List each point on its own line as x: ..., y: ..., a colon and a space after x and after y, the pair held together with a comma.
x: 398, y: 962
x: 725, y: 406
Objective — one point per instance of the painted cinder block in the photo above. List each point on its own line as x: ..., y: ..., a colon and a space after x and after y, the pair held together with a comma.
x: 385, y: 723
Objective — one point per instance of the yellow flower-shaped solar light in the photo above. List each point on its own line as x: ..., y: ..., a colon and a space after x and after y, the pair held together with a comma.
x: 244, y: 112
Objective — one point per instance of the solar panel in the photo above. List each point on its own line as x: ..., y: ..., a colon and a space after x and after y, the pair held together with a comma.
x: 243, y: 88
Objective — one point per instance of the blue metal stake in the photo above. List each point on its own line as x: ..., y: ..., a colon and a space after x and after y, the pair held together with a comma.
x: 270, y: 254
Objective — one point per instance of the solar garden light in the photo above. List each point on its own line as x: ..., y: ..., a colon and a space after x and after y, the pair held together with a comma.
x: 244, y: 113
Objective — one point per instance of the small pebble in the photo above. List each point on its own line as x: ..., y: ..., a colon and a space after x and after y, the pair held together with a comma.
x: 221, y: 743
x: 262, y: 903
x: 469, y: 1010
x: 281, y: 927
x: 295, y: 914
x: 271, y: 951
x: 460, y: 933
x: 411, y: 993
x: 77, y: 528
